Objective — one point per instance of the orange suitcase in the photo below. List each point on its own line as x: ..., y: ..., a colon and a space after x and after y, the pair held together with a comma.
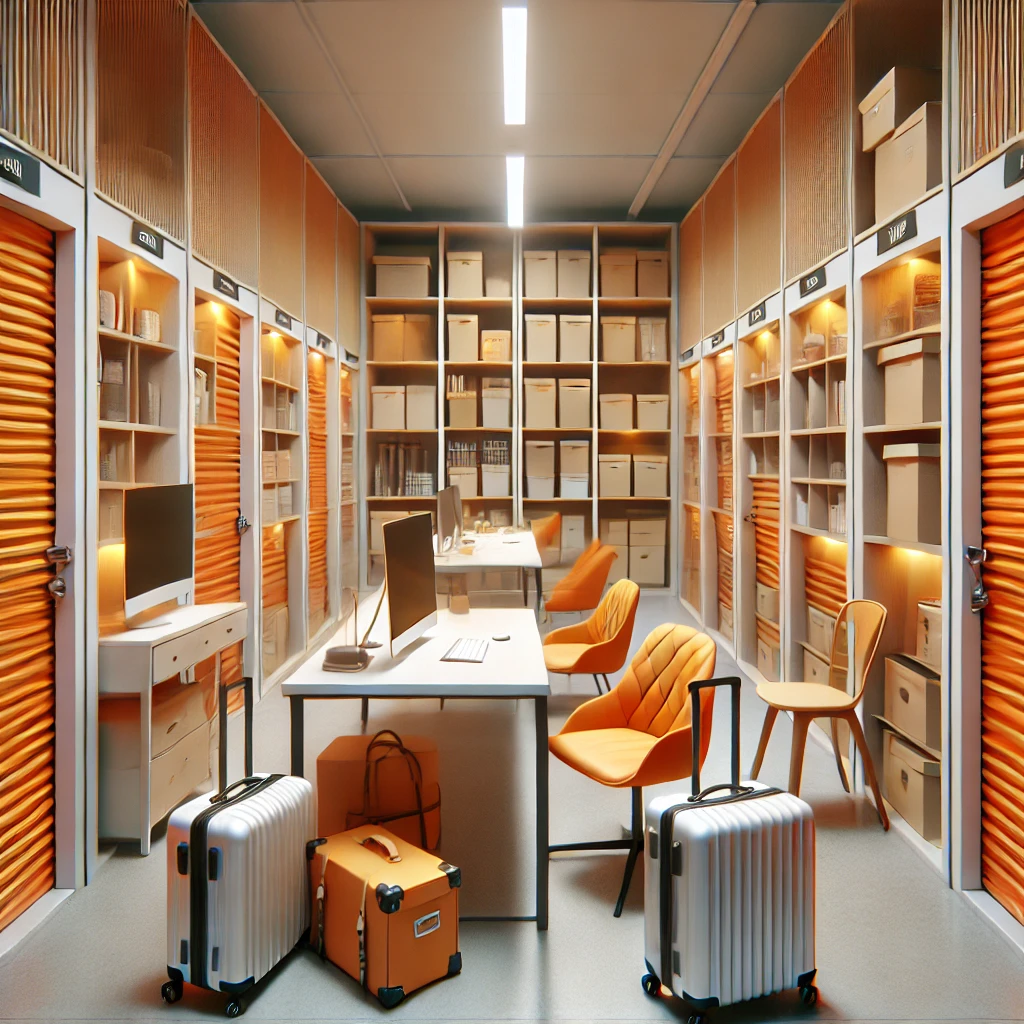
x: 380, y: 780
x: 384, y: 911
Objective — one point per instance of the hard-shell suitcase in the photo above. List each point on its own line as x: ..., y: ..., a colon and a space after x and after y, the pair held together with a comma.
x: 729, y: 887
x: 237, y: 884
x: 385, y: 911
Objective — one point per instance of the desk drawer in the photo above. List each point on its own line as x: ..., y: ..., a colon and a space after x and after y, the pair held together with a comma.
x: 185, y: 651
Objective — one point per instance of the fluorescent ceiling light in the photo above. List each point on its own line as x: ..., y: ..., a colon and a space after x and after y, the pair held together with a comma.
x: 515, y: 172
x: 513, y: 39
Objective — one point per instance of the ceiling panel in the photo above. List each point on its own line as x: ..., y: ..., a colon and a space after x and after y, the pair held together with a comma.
x: 320, y: 122
x: 721, y: 123
x: 361, y: 183
x: 682, y: 184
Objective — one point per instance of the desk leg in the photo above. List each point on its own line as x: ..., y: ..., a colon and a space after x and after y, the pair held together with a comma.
x: 145, y: 768
x: 298, y: 723
x: 525, y: 580
x: 540, y: 705
x: 540, y: 593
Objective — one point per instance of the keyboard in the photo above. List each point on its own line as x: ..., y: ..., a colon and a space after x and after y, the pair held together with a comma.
x: 466, y: 648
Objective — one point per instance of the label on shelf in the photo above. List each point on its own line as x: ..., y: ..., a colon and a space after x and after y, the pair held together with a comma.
x: 224, y: 285
x: 146, y: 238
x: 812, y: 282
x: 20, y: 169
x: 282, y: 319
x: 1013, y: 166
x: 897, y: 231
x: 757, y: 315
x: 717, y: 339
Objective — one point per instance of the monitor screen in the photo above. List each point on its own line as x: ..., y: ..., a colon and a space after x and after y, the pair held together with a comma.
x: 158, y: 533
x: 449, y: 518
x: 409, y: 574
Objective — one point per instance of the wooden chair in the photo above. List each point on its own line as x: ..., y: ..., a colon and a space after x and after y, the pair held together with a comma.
x: 858, y: 629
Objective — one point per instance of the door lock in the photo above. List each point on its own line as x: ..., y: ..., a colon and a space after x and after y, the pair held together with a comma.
x: 241, y: 523
x: 59, y: 555
x: 975, y: 556
x: 57, y: 587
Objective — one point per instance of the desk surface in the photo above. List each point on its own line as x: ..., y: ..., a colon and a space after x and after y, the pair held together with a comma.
x: 173, y: 623
x: 511, y: 668
x: 493, y: 551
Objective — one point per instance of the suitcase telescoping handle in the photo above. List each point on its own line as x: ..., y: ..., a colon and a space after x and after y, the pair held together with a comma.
x: 249, y: 782
x: 225, y: 689
x: 733, y: 682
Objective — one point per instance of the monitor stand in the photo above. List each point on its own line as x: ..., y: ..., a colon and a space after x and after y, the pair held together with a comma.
x: 155, y: 616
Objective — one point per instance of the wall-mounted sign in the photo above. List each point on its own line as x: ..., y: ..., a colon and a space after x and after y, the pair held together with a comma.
x: 282, y: 319
x: 20, y: 169
x: 757, y: 315
x: 897, y: 231
x: 717, y: 339
x: 148, y: 239
x: 686, y: 355
x: 812, y: 282
x: 323, y: 341
x: 224, y: 285
x: 350, y: 357
x: 1013, y: 166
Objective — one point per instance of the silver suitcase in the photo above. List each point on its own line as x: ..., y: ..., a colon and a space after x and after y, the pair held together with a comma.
x: 729, y: 887
x: 237, y: 884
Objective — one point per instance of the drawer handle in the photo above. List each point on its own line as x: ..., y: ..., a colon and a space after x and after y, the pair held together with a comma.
x: 904, y: 778
x: 231, y: 629
x: 904, y: 695
x: 175, y: 658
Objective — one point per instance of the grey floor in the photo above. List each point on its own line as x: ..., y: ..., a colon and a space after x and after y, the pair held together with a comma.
x: 894, y: 944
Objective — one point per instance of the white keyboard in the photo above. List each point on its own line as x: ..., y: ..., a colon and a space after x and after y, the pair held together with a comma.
x: 466, y: 648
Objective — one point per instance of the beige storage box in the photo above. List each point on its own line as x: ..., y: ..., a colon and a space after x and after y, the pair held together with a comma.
x: 497, y: 407
x: 540, y: 403
x: 618, y: 275
x: 652, y: 412
x: 767, y: 602
x: 496, y: 346
x: 912, y: 783
x: 914, y: 502
x: 647, y: 532
x: 614, y: 532
x: 815, y: 669
x: 465, y: 478
x: 462, y: 410
x: 620, y: 566
x: 284, y: 465
x: 574, y: 338
x: 913, y: 381
x: 388, y: 407
x: 616, y: 412
x: 653, y: 332
x: 913, y: 700
x: 377, y: 521
x: 893, y: 100
x: 465, y: 275
x: 540, y: 271
x: 652, y: 274
x: 421, y: 406
x: 496, y: 481
x: 540, y: 458
x: 650, y: 476
x: 615, y: 479
x: 540, y: 486
x: 463, y: 337
x: 402, y: 277
x: 268, y: 465
x: 647, y: 564
x: 541, y: 337
x: 910, y: 163
x: 574, y: 403
x: 574, y: 534
x: 820, y: 628
x: 574, y: 485
x: 769, y: 660
x: 618, y: 339
x: 268, y: 506
x: 929, y: 634
x: 402, y: 337
x: 574, y: 456
x: 574, y: 273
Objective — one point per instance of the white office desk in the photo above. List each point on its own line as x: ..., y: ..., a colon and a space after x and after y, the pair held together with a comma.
x: 511, y: 669
x: 496, y: 551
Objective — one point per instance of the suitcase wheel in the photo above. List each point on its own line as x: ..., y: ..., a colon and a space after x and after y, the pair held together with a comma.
x: 697, y: 1018
x: 234, y: 1008
x: 651, y: 984
x: 171, y: 991
x: 809, y: 995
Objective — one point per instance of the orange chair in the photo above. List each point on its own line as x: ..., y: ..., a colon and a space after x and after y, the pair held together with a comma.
x: 601, y: 643
x: 581, y: 588
x: 639, y: 734
x: 547, y: 533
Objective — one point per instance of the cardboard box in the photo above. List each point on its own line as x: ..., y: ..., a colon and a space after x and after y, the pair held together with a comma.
x: 815, y: 669
x: 574, y: 485
x: 618, y: 339
x: 653, y: 332
x: 540, y: 486
x: 912, y: 783
x: 647, y: 532
x: 541, y: 337
x: 496, y: 481
x: 403, y: 337
x: 465, y: 478
x: 614, y: 532
x: 914, y: 492
x: 913, y: 381
x: 574, y: 456
x: 910, y: 163
x: 540, y: 458
x: 465, y: 275
x: 652, y: 412
x: 769, y: 660
x: 377, y: 521
x: 616, y: 412
x: 388, y: 406
x: 913, y: 700
x: 574, y: 273
x: 284, y: 501
x: 650, y: 476
x: 268, y: 506
x: 574, y: 533
x: 574, y: 403
x: 497, y: 407
x: 820, y: 628
x: 421, y: 406
x: 767, y: 602
x: 268, y: 465
x: 929, y: 634
x: 652, y: 274
x: 647, y: 564
x: 463, y: 337
x: 574, y: 337
x: 618, y: 274
x: 404, y: 277
x: 462, y: 410
x: 540, y: 403
x: 620, y: 565
x: 615, y: 479
x: 496, y: 346
x: 893, y: 100
x: 540, y: 272
x: 284, y: 464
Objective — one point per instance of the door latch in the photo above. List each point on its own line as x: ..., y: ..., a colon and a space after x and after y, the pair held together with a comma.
x: 59, y: 555
x: 241, y: 523
x: 57, y: 587
x: 975, y: 556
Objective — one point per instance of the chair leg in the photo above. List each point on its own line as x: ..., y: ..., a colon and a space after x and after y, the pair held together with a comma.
x: 839, y: 757
x: 598, y: 681
x: 364, y: 713
x: 607, y: 685
x: 796, y: 755
x: 762, y: 745
x: 869, y: 767
x: 634, y: 850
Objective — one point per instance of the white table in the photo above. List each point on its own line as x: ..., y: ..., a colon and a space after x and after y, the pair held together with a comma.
x: 511, y: 670
x: 496, y: 551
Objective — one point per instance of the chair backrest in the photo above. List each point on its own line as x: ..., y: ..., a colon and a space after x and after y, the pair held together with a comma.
x: 582, y: 586
x: 546, y: 529
x: 616, y: 611
x: 859, y: 626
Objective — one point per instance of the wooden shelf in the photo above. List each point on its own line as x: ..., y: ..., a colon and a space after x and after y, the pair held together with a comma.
x: 722, y: 511
x: 921, y: 332
x: 756, y: 434
x: 634, y: 432
x: 202, y: 357
x: 553, y: 367
x: 402, y: 497
x: 480, y: 366
x: 818, y: 481
x: 478, y: 430
x: 401, y: 364
x: 556, y: 501
x: 281, y: 431
x: 762, y: 476
x: 290, y: 480
x: 691, y: 504
x: 763, y: 380
x: 625, y: 303
x: 389, y: 304
x: 634, y: 363
x: 399, y: 430
x: 156, y: 346
x: 800, y: 367
x: 813, y: 650
x: 119, y: 485
x: 634, y: 497
x: 813, y: 531
x: 811, y: 431
x: 283, y: 520
x: 928, y: 549
x: 279, y: 384
x: 901, y: 428
x: 136, y: 428
x: 482, y: 302
x: 557, y: 430
x: 930, y: 751
x: 563, y: 305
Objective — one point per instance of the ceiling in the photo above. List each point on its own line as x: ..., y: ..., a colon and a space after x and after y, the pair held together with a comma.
x: 606, y: 80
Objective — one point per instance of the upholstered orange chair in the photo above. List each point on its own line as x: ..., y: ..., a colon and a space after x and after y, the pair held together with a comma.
x: 547, y: 532
x: 601, y: 643
x: 581, y: 588
x: 639, y: 733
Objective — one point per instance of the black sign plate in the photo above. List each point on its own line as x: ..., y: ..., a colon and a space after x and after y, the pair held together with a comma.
x: 282, y: 320
x: 148, y: 239
x: 323, y: 341
x: 686, y: 355
x: 20, y: 169
x: 1013, y: 166
x: 897, y: 231
x: 757, y: 315
x: 717, y: 339
x: 812, y: 282
x: 224, y: 285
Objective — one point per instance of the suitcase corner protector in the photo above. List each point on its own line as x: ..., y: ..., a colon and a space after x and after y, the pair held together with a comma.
x: 454, y: 964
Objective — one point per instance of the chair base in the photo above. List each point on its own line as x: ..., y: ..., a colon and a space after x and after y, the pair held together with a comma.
x: 634, y: 845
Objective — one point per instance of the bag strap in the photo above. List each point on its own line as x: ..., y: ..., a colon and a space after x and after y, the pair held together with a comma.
x: 412, y: 763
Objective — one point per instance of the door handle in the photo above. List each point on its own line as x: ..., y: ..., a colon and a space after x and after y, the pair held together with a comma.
x: 57, y: 587
x: 975, y: 556
x: 59, y: 555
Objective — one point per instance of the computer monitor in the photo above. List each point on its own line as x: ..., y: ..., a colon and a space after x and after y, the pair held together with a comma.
x: 409, y: 578
x: 158, y: 539
x: 449, y: 518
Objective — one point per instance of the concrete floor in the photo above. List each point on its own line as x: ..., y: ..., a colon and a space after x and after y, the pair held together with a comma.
x: 894, y: 943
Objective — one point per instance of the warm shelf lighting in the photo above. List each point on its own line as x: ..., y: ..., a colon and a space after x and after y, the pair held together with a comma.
x: 515, y: 175
x: 513, y: 45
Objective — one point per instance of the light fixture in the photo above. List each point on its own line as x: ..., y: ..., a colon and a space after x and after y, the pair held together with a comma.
x: 515, y: 173
x: 513, y: 46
